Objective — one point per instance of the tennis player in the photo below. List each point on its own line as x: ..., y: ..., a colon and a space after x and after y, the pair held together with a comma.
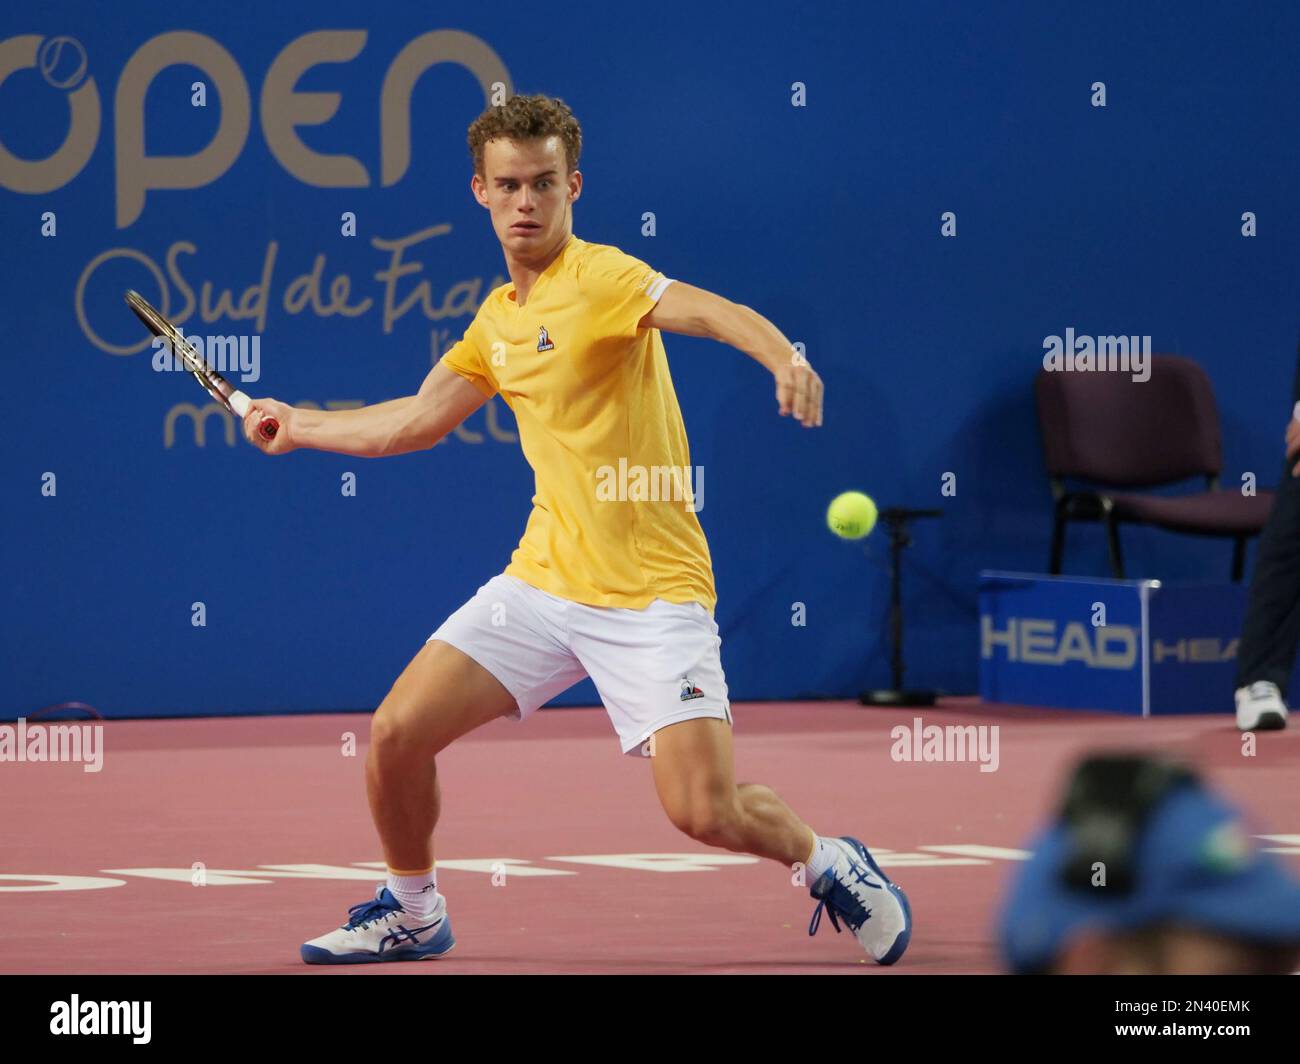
x: 612, y: 578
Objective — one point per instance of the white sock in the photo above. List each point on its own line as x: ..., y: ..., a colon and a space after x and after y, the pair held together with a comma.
x: 823, y: 856
x: 417, y: 894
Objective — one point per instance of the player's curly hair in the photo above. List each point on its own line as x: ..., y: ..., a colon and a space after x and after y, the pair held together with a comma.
x: 526, y: 118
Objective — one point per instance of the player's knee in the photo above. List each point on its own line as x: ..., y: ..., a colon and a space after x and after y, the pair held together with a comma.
x: 704, y: 821
x: 395, y: 740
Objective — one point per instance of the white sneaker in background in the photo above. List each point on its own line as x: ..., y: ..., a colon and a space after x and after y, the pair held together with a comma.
x: 1260, y: 707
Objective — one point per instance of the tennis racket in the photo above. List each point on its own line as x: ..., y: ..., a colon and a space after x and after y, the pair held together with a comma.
x: 212, y: 382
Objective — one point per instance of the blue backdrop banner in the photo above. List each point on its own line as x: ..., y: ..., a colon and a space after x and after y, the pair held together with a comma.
x: 920, y: 195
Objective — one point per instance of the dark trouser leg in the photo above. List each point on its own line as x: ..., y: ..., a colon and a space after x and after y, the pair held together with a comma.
x: 1272, y: 629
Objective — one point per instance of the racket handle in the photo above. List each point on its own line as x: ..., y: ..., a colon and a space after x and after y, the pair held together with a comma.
x: 240, y: 404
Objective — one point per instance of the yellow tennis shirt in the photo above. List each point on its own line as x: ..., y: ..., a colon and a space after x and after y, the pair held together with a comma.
x: 614, y: 512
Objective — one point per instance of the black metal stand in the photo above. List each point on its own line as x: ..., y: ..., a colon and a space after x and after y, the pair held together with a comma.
x: 896, y: 520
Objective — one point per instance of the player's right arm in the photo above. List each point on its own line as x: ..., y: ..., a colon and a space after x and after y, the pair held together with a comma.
x: 399, y: 426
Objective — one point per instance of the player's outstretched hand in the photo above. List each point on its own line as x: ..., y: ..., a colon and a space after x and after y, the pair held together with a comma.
x: 283, y: 413
x: 1293, y: 442
x: 799, y: 392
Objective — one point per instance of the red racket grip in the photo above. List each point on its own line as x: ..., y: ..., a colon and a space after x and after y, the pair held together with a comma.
x: 267, y: 428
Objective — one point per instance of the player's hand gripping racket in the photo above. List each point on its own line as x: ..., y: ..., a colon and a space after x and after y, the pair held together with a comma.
x: 213, y: 382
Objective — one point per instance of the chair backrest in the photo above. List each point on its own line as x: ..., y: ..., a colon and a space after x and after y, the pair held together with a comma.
x: 1106, y: 427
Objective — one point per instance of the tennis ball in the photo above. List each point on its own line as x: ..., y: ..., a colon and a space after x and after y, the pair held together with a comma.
x: 851, y: 515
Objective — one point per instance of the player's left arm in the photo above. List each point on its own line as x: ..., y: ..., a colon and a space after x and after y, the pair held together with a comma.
x: 692, y: 311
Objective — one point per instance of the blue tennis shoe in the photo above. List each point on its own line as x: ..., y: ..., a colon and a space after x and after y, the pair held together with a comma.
x: 856, y: 891
x: 381, y: 930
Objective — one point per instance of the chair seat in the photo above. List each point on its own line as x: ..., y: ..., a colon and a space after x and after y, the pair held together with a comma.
x: 1210, y: 513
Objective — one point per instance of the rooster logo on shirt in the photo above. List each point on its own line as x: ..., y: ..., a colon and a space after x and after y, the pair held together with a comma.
x: 544, y: 340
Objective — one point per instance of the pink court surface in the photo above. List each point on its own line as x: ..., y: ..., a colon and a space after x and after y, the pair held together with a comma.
x: 552, y: 850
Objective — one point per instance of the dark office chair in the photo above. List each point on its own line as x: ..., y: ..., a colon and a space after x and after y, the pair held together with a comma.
x: 1114, y: 432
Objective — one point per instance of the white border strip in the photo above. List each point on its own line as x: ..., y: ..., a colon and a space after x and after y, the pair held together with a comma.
x: 1144, y: 591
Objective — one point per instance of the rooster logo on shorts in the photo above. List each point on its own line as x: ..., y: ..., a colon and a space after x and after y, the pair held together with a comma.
x: 544, y: 340
x: 689, y: 690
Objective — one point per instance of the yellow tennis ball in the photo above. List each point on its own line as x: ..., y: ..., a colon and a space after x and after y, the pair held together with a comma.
x: 851, y: 515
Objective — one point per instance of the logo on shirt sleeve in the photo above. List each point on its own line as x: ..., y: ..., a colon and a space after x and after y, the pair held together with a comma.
x: 544, y: 340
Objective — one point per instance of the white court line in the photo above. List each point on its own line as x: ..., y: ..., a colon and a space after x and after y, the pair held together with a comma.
x: 997, y: 853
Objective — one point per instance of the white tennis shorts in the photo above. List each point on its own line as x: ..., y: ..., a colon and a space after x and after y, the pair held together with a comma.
x: 651, y: 667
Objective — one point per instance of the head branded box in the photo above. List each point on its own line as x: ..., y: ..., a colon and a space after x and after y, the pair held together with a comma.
x: 1141, y: 647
